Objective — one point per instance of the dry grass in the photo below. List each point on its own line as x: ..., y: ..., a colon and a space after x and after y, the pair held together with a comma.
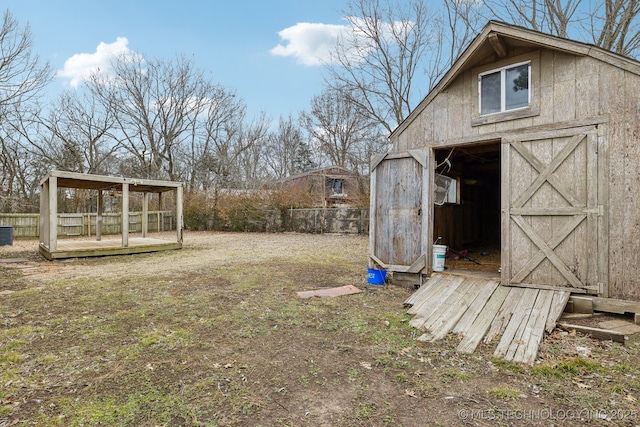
x: 215, y: 335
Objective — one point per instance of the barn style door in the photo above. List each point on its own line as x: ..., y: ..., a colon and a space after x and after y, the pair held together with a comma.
x: 551, y: 211
x: 399, y: 210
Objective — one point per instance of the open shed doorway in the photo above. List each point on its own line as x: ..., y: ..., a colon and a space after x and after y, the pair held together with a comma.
x: 467, y: 217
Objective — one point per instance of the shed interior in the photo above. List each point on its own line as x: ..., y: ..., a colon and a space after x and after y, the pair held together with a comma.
x: 469, y: 221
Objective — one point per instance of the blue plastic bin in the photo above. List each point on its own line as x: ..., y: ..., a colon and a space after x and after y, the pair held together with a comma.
x: 376, y: 277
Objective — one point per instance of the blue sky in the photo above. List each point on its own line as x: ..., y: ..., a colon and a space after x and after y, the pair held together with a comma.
x: 265, y: 50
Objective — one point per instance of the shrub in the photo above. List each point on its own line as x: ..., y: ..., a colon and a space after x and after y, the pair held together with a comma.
x: 199, y: 211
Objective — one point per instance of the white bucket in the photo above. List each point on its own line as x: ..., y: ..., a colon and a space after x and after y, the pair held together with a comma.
x: 439, y: 254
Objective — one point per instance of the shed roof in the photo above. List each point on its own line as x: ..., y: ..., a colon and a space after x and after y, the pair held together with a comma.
x: 101, y: 182
x: 496, y: 38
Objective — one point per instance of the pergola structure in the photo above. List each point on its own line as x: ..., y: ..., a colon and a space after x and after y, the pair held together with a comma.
x: 51, y: 248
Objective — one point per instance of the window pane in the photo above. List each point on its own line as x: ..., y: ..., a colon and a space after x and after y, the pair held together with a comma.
x: 335, y: 186
x: 490, y: 93
x: 517, y: 90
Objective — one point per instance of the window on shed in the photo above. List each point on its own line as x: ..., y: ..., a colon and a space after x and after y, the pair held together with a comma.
x: 504, y: 89
x: 335, y: 186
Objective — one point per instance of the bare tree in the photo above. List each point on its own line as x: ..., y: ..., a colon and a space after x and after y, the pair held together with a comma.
x: 253, y: 138
x: 379, y: 58
x: 155, y: 103
x: 22, y: 78
x: 392, y: 43
x: 20, y: 176
x: 453, y: 31
x: 226, y: 137
x: 340, y: 128
x: 78, y: 135
x: 610, y: 24
x: 615, y: 26
x: 548, y: 16
x: 288, y: 152
x: 219, y: 121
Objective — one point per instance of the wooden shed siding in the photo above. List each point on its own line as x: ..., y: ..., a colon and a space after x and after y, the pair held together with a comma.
x: 467, y: 104
x: 442, y: 129
x: 547, y: 70
x: 588, y: 78
x: 611, y: 99
x: 571, y: 88
x: 564, y: 96
x: 611, y: 88
x: 563, y: 101
x: 458, y: 106
x: 624, y: 186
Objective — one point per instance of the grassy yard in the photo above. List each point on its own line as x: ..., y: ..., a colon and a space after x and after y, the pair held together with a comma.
x: 215, y: 335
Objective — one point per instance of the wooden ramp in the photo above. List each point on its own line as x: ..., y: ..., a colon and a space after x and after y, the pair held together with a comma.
x: 477, y: 308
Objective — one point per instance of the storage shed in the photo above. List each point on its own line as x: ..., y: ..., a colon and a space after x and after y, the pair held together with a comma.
x: 328, y: 187
x: 53, y: 248
x: 529, y: 146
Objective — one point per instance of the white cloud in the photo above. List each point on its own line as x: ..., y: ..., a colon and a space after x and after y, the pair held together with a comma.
x: 315, y: 44
x: 81, y: 65
x: 311, y: 44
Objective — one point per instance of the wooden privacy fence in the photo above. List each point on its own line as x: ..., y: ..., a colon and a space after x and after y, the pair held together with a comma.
x: 327, y: 220
x: 310, y: 220
x: 83, y: 224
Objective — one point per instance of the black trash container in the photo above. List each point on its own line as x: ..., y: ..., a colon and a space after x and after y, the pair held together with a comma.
x: 6, y: 235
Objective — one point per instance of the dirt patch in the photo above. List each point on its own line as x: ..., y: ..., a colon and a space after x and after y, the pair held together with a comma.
x: 215, y: 334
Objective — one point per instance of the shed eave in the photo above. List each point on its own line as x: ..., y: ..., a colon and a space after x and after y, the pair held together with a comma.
x: 102, y: 182
x: 522, y: 35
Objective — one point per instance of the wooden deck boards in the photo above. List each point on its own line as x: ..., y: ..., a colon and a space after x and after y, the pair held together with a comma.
x: 472, y: 336
x: 478, y: 308
x: 440, y: 326
x: 86, y: 248
x: 472, y: 312
x: 438, y: 303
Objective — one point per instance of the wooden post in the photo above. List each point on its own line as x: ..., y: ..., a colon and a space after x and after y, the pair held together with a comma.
x: 44, y: 214
x: 53, y: 214
x: 324, y: 190
x: 89, y: 223
x: 99, y: 217
x: 145, y: 214
x: 179, y: 219
x: 161, y: 225
x: 125, y: 215
x: 603, y: 217
x: 505, y: 220
x: 372, y: 214
x: 428, y: 209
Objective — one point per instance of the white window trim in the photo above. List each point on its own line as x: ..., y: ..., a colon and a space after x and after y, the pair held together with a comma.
x: 503, y: 92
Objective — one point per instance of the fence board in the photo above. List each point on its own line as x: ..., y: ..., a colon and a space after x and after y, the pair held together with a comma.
x: 310, y: 220
x: 83, y: 224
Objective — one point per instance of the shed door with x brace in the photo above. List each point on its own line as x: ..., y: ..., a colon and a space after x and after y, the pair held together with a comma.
x: 550, y: 211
